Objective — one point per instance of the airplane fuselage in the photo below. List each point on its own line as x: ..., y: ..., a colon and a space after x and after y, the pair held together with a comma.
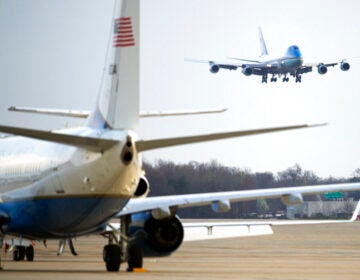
x: 57, y: 191
x: 283, y: 65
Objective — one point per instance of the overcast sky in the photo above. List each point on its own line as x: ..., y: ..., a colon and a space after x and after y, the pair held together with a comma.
x: 52, y: 55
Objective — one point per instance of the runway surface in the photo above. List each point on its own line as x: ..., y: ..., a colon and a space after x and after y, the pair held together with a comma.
x: 293, y: 252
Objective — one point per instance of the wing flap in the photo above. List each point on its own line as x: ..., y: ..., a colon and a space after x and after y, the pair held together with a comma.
x: 206, y: 231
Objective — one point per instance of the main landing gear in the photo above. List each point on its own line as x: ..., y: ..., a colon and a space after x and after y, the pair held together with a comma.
x: 285, y: 79
x: 273, y: 79
x: 22, y: 252
x: 264, y: 78
x: 122, y: 249
x: 298, y: 79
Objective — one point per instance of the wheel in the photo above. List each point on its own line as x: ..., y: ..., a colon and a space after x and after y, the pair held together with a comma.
x: 111, y: 256
x: 135, y: 257
x: 29, y: 253
x: 16, y: 254
x: 19, y: 253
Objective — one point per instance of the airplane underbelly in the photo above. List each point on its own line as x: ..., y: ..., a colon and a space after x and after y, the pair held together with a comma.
x: 60, y: 217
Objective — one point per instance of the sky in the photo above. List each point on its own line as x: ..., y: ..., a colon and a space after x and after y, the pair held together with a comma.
x: 52, y: 55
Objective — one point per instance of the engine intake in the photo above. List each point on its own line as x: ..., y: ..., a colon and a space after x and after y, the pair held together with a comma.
x: 322, y: 69
x: 214, y: 68
x: 345, y: 66
x: 247, y: 71
x: 164, y: 236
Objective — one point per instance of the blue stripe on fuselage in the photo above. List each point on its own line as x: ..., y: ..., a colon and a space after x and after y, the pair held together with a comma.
x: 59, y: 217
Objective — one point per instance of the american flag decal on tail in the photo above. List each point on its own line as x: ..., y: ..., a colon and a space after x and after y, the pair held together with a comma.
x: 123, y: 33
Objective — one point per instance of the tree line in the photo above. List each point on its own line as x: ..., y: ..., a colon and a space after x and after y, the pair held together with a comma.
x: 168, y: 178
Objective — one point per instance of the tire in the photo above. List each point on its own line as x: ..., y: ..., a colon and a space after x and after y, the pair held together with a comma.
x: 111, y: 256
x: 19, y: 253
x: 135, y: 256
x: 29, y: 253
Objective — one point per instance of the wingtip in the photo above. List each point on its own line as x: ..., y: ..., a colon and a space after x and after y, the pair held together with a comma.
x: 317, y: 124
x: 356, y: 212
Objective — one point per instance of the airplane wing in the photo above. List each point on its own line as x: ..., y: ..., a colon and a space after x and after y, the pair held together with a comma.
x: 323, y: 66
x: 84, y: 114
x: 165, y: 206
x: 194, y: 231
x: 248, y: 67
x: 221, y: 201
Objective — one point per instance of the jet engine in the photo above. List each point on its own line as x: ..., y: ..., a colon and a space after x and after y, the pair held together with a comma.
x: 345, y: 66
x: 143, y: 187
x: 214, y: 68
x: 247, y: 71
x: 322, y: 69
x: 157, y: 238
x: 164, y: 236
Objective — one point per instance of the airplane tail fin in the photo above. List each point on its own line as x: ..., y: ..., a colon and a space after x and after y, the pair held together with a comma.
x: 263, y: 48
x: 118, y: 100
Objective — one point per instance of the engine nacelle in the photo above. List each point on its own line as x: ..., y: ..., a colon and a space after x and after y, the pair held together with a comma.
x: 143, y: 187
x: 164, y: 236
x: 214, y: 68
x: 247, y: 71
x: 322, y: 69
x: 292, y: 199
x: 345, y: 66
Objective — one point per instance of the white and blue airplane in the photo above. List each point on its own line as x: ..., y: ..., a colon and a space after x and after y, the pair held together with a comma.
x: 68, y: 183
x: 292, y: 63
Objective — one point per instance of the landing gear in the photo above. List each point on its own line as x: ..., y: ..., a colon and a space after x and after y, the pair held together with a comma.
x: 264, y: 78
x: 120, y: 249
x: 285, y: 79
x: 273, y: 79
x: 135, y: 257
x: 298, y: 79
x: 111, y: 255
x: 1, y: 247
x: 29, y: 253
x: 20, y: 252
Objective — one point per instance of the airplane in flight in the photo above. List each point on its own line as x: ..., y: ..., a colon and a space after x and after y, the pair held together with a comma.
x: 67, y: 183
x: 291, y: 63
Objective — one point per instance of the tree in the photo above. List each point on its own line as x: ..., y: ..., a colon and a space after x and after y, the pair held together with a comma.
x: 262, y: 206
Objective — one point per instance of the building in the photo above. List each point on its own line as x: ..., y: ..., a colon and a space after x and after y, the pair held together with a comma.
x: 311, y: 209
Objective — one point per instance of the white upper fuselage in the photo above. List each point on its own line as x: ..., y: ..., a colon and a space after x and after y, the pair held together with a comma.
x: 38, y: 174
x: 280, y: 65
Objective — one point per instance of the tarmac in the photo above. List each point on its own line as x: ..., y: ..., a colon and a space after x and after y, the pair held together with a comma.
x: 292, y: 252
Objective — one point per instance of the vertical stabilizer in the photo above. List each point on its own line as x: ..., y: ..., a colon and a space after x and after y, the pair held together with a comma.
x: 118, y: 100
x: 263, y: 48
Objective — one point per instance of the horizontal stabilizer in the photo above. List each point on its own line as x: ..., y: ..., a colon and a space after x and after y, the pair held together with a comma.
x: 53, y: 112
x: 84, y: 114
x: 144, y: 145
x: 180, y: 113
x: 90, y: 143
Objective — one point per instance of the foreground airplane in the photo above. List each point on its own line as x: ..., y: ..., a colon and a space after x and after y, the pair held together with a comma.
x: 71, y: 182
x: 291, y: 63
